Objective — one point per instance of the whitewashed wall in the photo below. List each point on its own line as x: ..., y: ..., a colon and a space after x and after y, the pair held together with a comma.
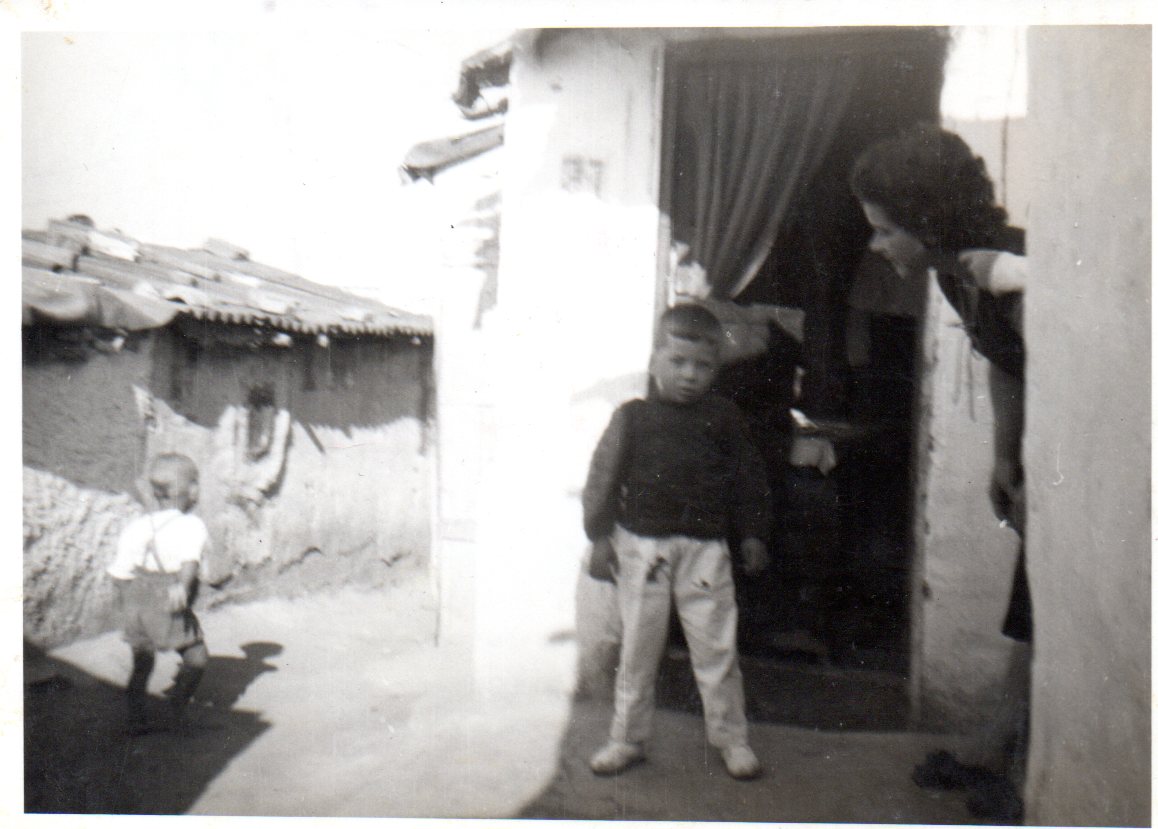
x: 573, y: 324
x: 1088, y: 328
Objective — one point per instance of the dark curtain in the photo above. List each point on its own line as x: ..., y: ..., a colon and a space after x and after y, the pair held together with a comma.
x: 749, y: 136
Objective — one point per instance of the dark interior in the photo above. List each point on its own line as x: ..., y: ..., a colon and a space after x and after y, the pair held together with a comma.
x: 836, y: 597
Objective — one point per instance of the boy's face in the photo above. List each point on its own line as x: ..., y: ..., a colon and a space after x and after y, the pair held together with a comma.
x: 683, y: 370
x: 173, y: 488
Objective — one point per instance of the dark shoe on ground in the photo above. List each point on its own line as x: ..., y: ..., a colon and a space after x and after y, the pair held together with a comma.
x: 616, y: 757
x: 996, y: 801
x: 941, y: 770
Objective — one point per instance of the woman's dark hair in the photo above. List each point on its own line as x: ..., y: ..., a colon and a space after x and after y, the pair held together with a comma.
x: 929, y: 182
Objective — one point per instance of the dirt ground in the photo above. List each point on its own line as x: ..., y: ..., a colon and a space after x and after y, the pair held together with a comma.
x: 340, y: 704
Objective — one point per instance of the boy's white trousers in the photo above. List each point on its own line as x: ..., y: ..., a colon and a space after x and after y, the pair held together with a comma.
x: 697, y: 574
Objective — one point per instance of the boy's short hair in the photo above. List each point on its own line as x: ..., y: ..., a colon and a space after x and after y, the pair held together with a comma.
x: 173, y: 462
x: 688, y: 321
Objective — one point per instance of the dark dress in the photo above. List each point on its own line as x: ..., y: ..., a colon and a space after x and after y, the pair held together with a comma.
x: 989, y: 322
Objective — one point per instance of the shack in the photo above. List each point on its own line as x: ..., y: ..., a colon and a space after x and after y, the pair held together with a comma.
x: 308, y: 410
x: 634, y: 157
x: 642, y: 166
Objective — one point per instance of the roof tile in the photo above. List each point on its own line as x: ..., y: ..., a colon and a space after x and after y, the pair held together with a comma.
x: 220, y: 284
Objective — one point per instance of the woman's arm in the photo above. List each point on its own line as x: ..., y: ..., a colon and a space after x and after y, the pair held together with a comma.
x: 1006, y: 488
x: 996, y: 271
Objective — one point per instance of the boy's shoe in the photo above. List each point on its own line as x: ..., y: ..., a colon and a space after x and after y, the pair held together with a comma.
x: 616, y: 757
x: 741, y: 762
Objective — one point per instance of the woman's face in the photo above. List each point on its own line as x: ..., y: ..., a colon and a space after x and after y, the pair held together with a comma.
x: 904, y: 251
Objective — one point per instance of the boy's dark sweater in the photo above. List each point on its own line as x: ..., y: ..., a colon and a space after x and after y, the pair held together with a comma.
x: 665, y: 469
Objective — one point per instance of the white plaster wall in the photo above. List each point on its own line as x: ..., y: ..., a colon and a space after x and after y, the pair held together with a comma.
x: 572, y: 330
x: 1088, y: 321
x: 964, y: 561
x: 457, y: 222
x: 455, y: 231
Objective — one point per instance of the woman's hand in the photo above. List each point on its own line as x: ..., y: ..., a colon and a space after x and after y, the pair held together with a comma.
x: 1007, y: 493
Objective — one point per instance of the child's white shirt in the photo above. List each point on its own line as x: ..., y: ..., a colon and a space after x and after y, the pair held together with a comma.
x: 178, y: 537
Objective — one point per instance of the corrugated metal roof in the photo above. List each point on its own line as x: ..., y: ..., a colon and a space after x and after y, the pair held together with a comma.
x: 77, y: 274
x: 428, y: 158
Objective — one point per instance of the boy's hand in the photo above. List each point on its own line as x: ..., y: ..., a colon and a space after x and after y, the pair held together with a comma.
x: 178, y: 598
x: 604, y: 564
x: 755, y: 555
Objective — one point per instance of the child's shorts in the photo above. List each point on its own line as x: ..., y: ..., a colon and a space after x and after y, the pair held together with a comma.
x: 149, y: 624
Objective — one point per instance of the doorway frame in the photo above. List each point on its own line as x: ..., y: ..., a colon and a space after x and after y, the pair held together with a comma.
x: 685, y: 46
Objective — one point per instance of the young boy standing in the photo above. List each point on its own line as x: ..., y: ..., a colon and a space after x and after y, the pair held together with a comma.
x: 156, y: 573
x: 671, y: 479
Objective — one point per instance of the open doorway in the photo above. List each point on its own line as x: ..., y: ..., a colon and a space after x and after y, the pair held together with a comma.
x: 759, y: 136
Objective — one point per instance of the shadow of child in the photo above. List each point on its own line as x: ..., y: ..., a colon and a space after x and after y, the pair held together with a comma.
x: 227, y: 677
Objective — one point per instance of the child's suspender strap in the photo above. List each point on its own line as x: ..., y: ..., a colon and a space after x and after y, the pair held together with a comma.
x: 151, y: 549
x: 151, y: 544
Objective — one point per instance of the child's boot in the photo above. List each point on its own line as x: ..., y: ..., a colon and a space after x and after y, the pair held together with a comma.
x: 184, y: 685
x: 194, y: 660
x: 180, y: 692
x: 136, y: 694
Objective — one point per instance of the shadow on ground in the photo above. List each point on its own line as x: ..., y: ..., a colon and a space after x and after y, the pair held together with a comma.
x: 831, y: 741
x: 78, y: 758
x: 811, y: 777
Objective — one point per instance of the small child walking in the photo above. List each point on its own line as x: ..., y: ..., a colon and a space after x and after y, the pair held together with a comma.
x: 673, y: 477
x: 156, y: 572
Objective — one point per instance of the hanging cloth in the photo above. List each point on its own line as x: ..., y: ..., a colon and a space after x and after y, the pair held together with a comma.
x: 750, y: 134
